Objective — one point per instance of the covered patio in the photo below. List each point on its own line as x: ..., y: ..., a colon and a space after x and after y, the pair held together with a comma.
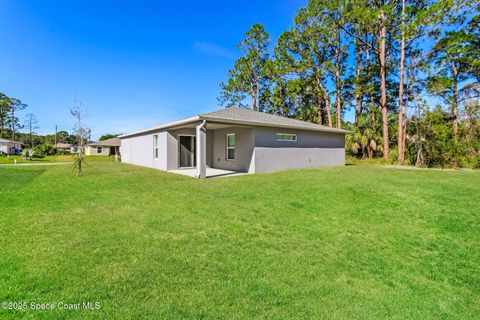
x: 209, y: 149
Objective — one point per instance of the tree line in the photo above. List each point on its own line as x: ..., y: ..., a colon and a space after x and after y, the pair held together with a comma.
x: 408, y: 69
x: 13, y: 127
x: 11, y: 124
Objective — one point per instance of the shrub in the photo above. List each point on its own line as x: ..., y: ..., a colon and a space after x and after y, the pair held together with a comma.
x: 28, y: 154
x: 44, y: 149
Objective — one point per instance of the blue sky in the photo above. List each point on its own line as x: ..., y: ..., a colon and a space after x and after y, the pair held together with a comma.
x: 132, y: 64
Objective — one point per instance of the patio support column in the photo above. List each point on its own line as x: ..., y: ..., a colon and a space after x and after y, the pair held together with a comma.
x: 201, y: 150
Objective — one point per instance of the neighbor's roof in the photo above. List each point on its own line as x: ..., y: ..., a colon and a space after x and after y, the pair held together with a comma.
x: 113, y: 142
x: 9, y: 141
x: 243, y: 116
x: 63, y: 145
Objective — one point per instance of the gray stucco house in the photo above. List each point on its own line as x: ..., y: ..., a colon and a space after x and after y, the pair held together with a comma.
x: 235, y: 139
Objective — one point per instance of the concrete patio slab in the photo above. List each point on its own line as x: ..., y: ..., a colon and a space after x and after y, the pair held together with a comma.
x: 211, y: 172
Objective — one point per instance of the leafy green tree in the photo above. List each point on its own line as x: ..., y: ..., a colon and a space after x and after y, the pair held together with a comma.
x: 108, y: 136
x: 301, y: 53
x: 451, y: 71
x: 13, y: 120
x: 366, y: 140
x: 250, y: 74
x: 4, y: 111
x: 379, y: 20
x: 330, y: 19
x: 9, y: 121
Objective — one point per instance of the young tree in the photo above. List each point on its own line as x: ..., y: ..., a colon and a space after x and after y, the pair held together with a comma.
x: 80, y: 129
x: 82, y: 133
x: 250, y: 75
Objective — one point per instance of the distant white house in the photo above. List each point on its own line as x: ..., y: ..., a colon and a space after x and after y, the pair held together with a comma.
x: 10, y: 146
x: 109, y: 147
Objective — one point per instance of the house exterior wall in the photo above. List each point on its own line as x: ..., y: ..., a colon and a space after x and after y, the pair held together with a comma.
x: 138, y: 150
x: 312, y: 149
x: 244, y: 140
x: 9, y: 147
x: 257, y: 149
x: 92, y: 151
x: 173, y: 147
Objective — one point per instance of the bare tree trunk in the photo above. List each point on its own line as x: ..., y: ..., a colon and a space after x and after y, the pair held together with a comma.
x: 383, y: 86
x: 455, y: 103
x: 404, y: 124
x: 13, y: 123
x: 325, y: 98
x: 358, y: 97
x: 2, y: 121
x: 338, y: 83
x: 372, y: 97
x: 339, y: 91
x: 372, y: 113
x: 401, y: 146
x: 254, y: 101
x: 418, y: 140
x: 30, y: 127
x: 319, y: 108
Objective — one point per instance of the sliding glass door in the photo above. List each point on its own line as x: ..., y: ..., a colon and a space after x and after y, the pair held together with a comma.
x: 187, y: 151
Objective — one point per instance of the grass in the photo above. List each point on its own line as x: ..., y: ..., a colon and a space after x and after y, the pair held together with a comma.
x: 54, y: 158
x: 343, y: 243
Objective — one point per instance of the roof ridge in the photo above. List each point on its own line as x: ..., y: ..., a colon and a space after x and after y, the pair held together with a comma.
x: 237, y: 115
x: 276, y: 116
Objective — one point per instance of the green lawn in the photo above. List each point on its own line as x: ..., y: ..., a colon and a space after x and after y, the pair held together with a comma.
x: 55, y: 158
x: 343, y: 243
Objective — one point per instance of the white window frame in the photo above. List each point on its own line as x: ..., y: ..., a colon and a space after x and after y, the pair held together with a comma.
x: 101, y: 150
x: 155, y: 147
x: 234, y: 147
x: 287, y: 134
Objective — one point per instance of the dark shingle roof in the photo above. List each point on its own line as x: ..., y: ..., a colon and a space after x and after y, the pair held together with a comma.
x: 260, y: 118
x: 113, y: 142
x: 236, y: 115
x: 62, y: 145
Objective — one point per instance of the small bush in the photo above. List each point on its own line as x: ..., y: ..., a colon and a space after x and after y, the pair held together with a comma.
x: 44, y: 149
x: 27, y: 154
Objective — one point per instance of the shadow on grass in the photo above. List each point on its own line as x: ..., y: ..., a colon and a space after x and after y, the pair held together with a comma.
x: 18, y: 179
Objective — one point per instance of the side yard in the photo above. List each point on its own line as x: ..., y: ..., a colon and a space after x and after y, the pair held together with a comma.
x: 55, y: 158
x: 343, y: 243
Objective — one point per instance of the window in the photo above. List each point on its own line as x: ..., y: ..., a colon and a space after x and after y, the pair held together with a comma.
x: 155, y: 146
x: 286, y: 137
x: 99, y: 149
x: 231, y: 146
